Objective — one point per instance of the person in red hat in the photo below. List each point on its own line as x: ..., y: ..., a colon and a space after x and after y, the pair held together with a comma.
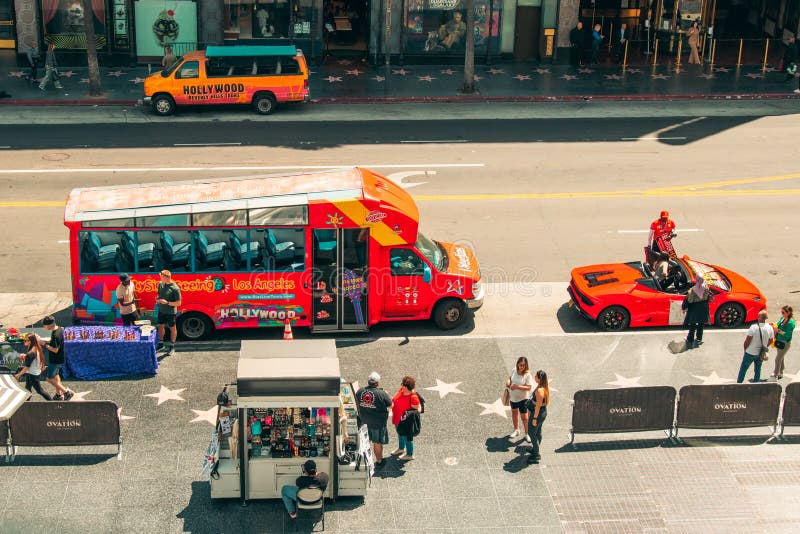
x: 663, y: 227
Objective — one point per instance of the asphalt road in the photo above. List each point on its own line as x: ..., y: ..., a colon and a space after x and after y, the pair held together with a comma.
x: 532, y: 209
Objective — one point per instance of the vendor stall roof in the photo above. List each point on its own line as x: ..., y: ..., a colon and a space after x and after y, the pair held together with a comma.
x: 282, y: 368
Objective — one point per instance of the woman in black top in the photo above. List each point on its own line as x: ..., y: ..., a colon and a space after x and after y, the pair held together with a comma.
x: 33, y: 366
x: 537, y: 406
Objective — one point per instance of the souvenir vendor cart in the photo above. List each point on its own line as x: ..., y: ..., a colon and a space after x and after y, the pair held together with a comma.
x: 284, y: 409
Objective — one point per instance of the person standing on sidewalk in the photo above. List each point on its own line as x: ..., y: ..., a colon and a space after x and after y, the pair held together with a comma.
x: 168, y: 301
x: 169, y: 58
x: 576, y: 43
x: 373, y: 405
x: 32, y: 367
x: 126, y: 299
x: 597, y: 39
x: 619, y: 42
x: 520, y: 388
x: 405, y: 399
x: 784, y: 329
x: 757, y: 341
x: 790, y: 56
x: 693, y: 38
x: 51, y: 69
x: 696, y: 306
x: 537, y: 405
x: 55, y: 358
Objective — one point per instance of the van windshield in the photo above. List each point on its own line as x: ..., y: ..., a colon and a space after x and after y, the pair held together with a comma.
x: 431, y: 250
x: 169, y: 70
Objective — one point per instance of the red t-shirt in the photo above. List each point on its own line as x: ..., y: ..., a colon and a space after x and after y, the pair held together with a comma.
x: 660, y: 229
x: 401, y: 403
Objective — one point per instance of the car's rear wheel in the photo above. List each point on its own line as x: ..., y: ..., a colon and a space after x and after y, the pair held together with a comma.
x: 264, y: 103
x: 614, y: 319
x: 729, y: 315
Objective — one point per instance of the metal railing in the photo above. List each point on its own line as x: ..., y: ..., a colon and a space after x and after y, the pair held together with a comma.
x: 673, y: 49
x: 180, y: 49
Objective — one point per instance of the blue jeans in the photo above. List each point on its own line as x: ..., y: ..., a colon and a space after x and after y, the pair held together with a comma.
x: 747, y: 359
x: 289, y: 496
x: 406, y: 444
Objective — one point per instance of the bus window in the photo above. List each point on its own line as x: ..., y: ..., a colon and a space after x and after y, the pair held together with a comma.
x: 244, y: 254
x: 110, y: 223
x: 220, y: 218
x: 138, y: 257
x: 405, y: 262
x: 101, y: 252
x: 148, y: 250
x: 293, y: 215
x: 210, y: 250
x: 284, y: 248
x: 175, y: 250
x: 156, y: 221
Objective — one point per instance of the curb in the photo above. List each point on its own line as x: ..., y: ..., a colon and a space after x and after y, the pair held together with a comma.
x: 448, y: 99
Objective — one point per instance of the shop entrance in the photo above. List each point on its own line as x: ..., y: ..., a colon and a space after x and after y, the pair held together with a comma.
x: 526, y: 35
x: 346, y: 27
x: 7, y: 39
x: 340, y: 279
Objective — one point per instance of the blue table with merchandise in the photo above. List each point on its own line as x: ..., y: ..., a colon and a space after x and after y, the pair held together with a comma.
x: 96, y: 352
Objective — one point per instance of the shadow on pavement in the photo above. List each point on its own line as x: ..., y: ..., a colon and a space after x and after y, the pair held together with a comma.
x: 614, y: 445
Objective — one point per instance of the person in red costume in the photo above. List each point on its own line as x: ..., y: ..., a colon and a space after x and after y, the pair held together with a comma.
x: 661, y: 228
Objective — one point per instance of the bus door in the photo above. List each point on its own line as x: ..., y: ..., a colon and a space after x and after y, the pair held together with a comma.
x: 340, y: 279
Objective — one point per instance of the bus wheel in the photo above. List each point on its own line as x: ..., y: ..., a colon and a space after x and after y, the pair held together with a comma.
x: 193, y: 326
x: 264, y: 103
x: 449, y: 313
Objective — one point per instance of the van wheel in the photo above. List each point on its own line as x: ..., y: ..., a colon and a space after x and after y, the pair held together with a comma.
x: 194, y: 326
x: 264, y: 104
x: 163, y: 105
x: 449, y: 313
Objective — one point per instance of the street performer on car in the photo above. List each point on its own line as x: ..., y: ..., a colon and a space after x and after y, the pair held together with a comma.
x: 661, y: 230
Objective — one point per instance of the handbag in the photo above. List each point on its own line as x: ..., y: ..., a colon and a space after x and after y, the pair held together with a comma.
x: 780, y: 344
x: 763, y: 352
x: 506, y: 397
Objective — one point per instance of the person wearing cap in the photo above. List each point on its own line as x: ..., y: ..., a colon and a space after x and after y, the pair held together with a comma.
x: 54, y: 350
x: 663, y: 227
x: 373, y: 405
x: 167, y: 302
x: 309, y: 479
x: 126, y: 299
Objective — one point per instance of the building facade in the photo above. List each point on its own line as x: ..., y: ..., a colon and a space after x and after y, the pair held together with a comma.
x: 136, y: 31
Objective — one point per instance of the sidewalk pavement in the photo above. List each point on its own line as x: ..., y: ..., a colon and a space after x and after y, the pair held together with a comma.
x: 349, y: 81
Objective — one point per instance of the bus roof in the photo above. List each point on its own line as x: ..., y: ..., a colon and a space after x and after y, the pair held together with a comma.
x: 355, y: 192
x: 250, y: 50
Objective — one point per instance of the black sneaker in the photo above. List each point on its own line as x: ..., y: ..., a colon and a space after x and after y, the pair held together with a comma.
x: 160, y: 346
x: 58, y: 397
x: 69, y: 394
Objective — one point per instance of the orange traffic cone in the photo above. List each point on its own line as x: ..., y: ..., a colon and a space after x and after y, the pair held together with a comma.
x: 287, y: 331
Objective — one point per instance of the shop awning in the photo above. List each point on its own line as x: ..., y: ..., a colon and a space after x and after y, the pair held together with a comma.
x: 250, y: 51
x: 11, y: 396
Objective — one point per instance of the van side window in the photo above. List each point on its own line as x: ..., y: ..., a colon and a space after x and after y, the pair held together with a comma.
x: 190, y: 69
x: 405, y: 262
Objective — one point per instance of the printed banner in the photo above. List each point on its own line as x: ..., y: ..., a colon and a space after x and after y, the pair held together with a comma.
x: 65, y: 423
x: 623, y: 410
x: 791, y: 405
x: 160, y: 24
x: 729, y: 405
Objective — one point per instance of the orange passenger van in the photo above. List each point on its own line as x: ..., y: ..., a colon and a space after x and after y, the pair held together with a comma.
x: 258, y: 75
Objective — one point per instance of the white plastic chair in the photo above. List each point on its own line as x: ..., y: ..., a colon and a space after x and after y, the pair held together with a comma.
x: 312, y: 499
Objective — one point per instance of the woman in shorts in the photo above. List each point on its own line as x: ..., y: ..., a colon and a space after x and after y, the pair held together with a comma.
x: 520, y: 385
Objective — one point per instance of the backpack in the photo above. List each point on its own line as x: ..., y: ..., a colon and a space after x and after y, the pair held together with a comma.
x: 421, y: 403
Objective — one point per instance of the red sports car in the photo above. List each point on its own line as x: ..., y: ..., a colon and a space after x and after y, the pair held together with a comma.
x: 619, y: 295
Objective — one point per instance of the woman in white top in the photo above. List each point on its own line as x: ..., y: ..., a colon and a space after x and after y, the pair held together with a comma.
x: 520, y: 385
x: 33, y: 366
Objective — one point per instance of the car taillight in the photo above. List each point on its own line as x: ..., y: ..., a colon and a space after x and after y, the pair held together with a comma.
x: 305, y: 83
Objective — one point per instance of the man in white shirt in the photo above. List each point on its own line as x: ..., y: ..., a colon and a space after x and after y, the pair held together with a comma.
x: 759, y: 336
x: 126, y: 298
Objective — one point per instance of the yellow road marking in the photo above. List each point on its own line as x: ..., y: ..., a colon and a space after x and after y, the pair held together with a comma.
x: 708, y: 189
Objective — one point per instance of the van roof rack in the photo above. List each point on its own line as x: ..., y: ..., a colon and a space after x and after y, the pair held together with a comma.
x: 250, y: 50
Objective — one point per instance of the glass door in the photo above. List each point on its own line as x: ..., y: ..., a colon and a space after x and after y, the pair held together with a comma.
x: 7, y: 39
x: 340, y: 279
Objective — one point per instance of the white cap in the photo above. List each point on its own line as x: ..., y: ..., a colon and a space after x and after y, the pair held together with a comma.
x: 374, y: 378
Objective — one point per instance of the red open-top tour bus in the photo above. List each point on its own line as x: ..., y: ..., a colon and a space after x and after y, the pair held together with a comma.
x: 336, y: 251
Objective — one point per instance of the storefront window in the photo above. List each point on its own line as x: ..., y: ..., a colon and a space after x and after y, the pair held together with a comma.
x: 249, y: 19
x: 439, y: 26
x: 63, y: 22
